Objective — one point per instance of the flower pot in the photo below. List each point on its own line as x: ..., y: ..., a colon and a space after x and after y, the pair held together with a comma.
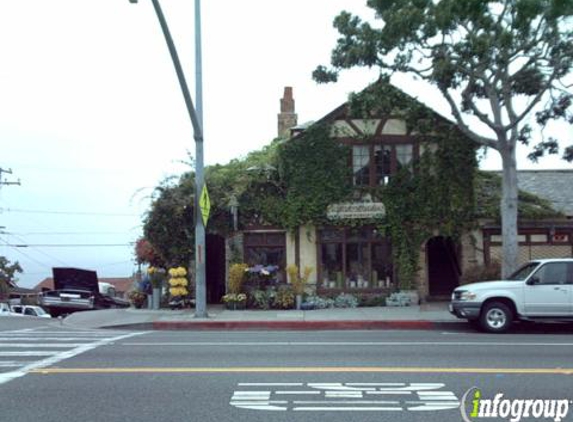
x: 235, y: 306
x: 298, y: 301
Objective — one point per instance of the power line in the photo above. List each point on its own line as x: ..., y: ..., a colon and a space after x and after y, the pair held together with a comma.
x: 71, y: 245
x: 86, y: 213
x: 40, y: 251
x: 26, y: 255
x: 66, y: 233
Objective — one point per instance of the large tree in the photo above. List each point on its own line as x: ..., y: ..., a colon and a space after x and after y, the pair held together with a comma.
x: 501, y: 65
x: 7, y: 277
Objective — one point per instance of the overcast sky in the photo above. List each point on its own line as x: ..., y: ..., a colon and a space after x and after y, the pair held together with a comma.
x: 92, y: 118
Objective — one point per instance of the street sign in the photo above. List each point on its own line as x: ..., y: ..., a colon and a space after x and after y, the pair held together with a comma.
x: 205, y: 205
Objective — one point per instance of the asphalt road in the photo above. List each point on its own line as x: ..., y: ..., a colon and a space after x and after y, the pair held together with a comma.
x: 103, y: 375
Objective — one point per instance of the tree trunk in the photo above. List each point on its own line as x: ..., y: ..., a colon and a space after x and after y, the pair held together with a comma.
x: 509, y: 211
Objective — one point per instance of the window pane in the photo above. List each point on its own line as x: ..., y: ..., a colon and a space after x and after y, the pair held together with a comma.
x: 331, y: 265
x: 555, y: 273
x: 275, y: 239
x: 331, y: 235
x: 383, y: 160
x: 382, y: 273
x: 357, y: 265
x: 361, y: 165
x: 359, y: 235
x: 266, y: 256
x: 254, y: 239
x: 404, y: 155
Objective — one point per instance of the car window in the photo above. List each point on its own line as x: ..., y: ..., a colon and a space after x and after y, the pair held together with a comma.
x: 523, y: 272
x: 552, y: 273
x: 17, y: 309
x: 29, y: 311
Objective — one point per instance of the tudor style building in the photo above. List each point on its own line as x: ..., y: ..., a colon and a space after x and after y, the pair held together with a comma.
x: 358, y: 258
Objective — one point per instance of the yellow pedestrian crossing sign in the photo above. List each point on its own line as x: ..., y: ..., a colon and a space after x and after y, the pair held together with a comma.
x: 205, y: 205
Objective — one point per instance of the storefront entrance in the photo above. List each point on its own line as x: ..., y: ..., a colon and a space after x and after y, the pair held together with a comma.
x: 443, y: 266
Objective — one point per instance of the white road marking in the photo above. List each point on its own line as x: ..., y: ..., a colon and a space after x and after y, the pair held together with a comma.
x: 9, y: 364
x: 49, y: 338
x: 57, y: 357
x: 40, y: 345
x: 297, y: 392
x: 27, y: 354
x: 347, y: 397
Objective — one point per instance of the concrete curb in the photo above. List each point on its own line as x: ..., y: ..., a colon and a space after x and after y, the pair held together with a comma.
x: 294, y: 325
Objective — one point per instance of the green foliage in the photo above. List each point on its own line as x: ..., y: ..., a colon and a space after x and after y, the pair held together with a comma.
x: 236, y: 277
x: 317, y: 174
x: 9, y: 270
x: 169, y: 224
x: 284, y: 298
x: 472, y: 48
x: 261, y: 299
x: 298, y: 282
x: 479, y: 273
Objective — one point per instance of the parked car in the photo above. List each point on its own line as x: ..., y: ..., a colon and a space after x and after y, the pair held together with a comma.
x: 541, y: 290
x: 30, y: 310
x: 78, y: 290
x: 6, y: 311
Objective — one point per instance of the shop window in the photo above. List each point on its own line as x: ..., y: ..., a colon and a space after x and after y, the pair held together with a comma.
x: 265, y: 249
x: 354, y: 259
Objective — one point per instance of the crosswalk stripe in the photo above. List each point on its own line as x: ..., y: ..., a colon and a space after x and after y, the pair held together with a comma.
x: 47, y: 338
x: 51, y: 357
x: 27, y: 354
x: 39, y: 345
x: 10, y: 364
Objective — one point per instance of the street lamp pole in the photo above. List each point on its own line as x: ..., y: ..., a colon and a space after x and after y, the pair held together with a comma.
x: 196, y: 121
x: 200, y: 247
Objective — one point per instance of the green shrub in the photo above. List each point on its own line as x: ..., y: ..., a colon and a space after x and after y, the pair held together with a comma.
x: 477, y: 273
x: 284, y: 298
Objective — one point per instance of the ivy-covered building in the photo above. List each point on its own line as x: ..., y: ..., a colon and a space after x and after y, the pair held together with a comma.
x: 383, y: 193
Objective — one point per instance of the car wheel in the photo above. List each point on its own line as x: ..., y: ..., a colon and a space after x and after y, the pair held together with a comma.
x: 496, y: 317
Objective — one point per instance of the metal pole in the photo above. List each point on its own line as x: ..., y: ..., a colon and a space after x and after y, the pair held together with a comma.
x: 200, y: 306
x: 200, y: 247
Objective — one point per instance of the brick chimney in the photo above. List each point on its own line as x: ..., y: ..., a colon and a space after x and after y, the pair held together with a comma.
x: 287, y: 118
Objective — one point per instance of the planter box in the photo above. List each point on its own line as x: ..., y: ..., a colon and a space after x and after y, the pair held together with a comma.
x: 236, y: 306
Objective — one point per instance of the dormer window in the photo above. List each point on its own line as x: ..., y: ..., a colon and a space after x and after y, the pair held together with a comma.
x: 374, y: 164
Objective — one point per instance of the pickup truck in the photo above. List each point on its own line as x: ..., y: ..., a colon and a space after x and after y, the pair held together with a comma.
x: 30, y: 310
x: 78, y: 290
x: 541, y: 290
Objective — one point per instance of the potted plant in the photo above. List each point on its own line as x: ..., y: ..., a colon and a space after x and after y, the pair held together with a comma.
x: 156, y: 276
x: 298, y: 282
x: 177, y: 287
x: 235, y: 301
x: 137, y: 298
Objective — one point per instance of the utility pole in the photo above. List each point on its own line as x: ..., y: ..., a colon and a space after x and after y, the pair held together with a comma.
x: 200, y: 244
x: 6, y: 183
x: 196, y: 116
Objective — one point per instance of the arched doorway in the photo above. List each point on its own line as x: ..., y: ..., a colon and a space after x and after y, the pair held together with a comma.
x: 443, y: 266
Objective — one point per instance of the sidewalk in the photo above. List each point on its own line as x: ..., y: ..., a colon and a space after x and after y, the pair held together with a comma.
x: 427, y: 316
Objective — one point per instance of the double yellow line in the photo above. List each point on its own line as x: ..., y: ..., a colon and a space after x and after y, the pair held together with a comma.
x: 302, y: 369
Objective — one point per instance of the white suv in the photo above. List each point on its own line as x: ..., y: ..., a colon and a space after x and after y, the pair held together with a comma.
x: 541, y: 290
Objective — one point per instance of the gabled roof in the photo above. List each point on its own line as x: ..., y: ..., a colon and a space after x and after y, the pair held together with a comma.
x: 556, y: 186
x: 343, y: 110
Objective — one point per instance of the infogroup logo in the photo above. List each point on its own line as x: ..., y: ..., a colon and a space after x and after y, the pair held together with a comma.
x: 475, y: 407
